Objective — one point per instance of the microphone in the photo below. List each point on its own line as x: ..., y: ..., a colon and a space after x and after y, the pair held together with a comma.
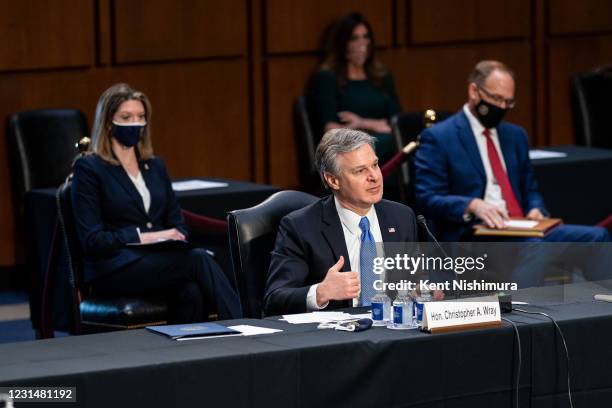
x: 423, y: 222
x: 505, y: 300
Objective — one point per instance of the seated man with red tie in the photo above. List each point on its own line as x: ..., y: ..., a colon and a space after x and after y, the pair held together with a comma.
x: 474, y: 167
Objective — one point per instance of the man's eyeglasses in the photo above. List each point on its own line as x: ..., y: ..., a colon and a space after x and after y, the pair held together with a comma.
x: 498, y: 99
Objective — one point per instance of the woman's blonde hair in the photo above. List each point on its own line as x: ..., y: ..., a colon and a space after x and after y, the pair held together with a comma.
x: 108, y: 104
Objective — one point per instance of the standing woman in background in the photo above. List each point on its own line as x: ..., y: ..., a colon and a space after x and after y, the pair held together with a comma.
x: 352, y: 89
x: 121, y: 194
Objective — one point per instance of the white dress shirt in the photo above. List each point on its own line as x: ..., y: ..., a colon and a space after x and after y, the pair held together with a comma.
x: 493, y: 193
x: 352, y: 238
x: 140, y: 185
x: 142, y: 189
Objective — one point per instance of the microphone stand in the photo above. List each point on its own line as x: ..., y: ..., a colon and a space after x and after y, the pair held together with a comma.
x: 423, y: 222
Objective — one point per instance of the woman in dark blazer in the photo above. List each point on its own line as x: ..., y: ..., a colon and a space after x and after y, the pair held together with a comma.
x: 121, y: 194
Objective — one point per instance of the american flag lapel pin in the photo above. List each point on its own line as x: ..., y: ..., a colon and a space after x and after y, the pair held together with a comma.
x: 391, y: 229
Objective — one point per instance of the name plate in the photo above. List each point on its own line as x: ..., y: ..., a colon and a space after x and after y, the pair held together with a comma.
x: 453, y: 316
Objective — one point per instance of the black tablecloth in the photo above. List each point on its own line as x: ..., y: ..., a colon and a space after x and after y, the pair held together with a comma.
x: 306, y: 367
x: 577, y: 187
x: 41, y: 214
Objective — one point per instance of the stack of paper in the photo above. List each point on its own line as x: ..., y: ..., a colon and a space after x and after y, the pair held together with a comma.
x: 522, y: 224
x: 362, y: 316
x: 248, y: 330
x: 519, y: 228
x: 316, y: 317
x: 322, y: 317
x: 188, y: 185
x: 537, y: 154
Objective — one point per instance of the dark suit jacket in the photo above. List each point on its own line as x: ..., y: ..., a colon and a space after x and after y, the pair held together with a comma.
x: 108, y: 209
x: 450, y: 173
x: 310, y: 241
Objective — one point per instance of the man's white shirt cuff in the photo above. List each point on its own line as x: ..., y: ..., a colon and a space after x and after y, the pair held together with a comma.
x: 311, y: 299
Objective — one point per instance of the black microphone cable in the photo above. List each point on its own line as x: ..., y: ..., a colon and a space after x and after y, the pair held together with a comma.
x: 567, y: 359
x: 520, y: 359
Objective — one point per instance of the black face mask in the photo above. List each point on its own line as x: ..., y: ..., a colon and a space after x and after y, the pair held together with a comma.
x: 488, y: 114
x: 127, y: 134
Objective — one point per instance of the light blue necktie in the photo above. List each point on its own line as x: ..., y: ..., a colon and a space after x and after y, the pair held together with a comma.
x: 367, y: 253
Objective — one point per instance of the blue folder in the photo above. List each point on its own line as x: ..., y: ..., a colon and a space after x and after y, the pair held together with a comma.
x: 193, y: 330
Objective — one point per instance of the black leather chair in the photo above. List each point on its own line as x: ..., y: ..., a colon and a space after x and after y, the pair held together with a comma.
x: 308, y: 137
x: 91, y: 313
x: 591, y: 92
x: 252, y: 233
x: 40, y: 151
x: 406, y: 128
x: 41, y: 146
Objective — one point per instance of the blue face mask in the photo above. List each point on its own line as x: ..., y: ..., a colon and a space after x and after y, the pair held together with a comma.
x: 128, y: 134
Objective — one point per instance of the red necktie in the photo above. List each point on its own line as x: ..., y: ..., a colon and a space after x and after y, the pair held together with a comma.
x: 514, y: 209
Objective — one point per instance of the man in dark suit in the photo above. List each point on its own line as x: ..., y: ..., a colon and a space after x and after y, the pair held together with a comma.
x: 473, y: 167
x: 320, y: 259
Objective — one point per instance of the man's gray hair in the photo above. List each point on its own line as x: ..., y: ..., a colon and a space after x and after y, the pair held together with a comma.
x: 337, y: 141
x: 483, y: 69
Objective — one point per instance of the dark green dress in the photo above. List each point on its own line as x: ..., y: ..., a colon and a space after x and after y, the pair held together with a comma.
x: 361, y: 97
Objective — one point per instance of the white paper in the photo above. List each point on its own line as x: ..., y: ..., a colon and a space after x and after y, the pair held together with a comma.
x: 316, y: 317
x: 537, y: 154
x: 332, y: 315
x: 362, y: 316
x: 525, y: 224
x: 196, y: 185
x: 248, y: 330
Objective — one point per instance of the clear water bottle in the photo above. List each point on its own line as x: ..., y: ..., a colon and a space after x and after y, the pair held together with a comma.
x: 402, y: 311
x: 418, y: 305
x: 381, y: 309
x: 426, y: 295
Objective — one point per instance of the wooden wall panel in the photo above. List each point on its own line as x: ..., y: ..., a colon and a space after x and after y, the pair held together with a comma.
x: 286, y: 78
x: 424, y: 80
x: 46, y: 34
x: 104, y: 33
x: 584, y: 16
x: 402, y: 22
x: 451, y: 20
x: 297, y: 25
x: 151, y: 30
x: 200, y: 122
x: 257, y: 92
x: 539, y: 43
x: 567, y: 58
